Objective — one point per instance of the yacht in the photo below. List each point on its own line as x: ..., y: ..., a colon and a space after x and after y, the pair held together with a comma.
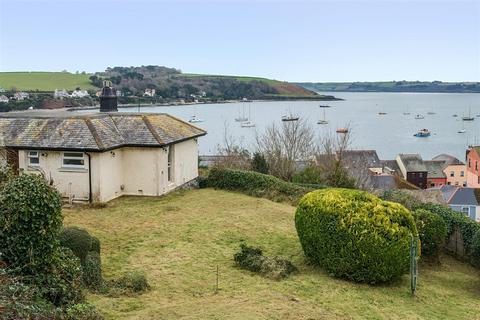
x: 462, y: 131
x: 247, y: 124
x: 324, y: 106
x: 323, y: 121
x: 469, y: 117
x: 419, y: 116
x: 195, y: 119
x: 241, y: 117
x: 423, y: 133
x: 290, y: 118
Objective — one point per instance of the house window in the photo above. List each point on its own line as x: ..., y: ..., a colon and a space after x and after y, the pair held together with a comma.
x: 432, y: 184
x: 476, y: 165
x: 462, y: 173
x: 456, y: 183
x: 420, y: 175
x: 466, y: 211
x: 464, y: 183
x: 449, y: 183
x: 170, y: 163
x: 73, y: 160
x: 452, y: 173
x: 469, y: 163
x: 33, y: 158
x: 478, y: 180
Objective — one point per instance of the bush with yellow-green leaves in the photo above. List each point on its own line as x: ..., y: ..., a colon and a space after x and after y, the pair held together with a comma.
x: 355, y: 235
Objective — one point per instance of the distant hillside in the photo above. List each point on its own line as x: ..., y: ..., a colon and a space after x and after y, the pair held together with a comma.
x: 394, y: 86
x: 171, y: 83
x: 44, y: 81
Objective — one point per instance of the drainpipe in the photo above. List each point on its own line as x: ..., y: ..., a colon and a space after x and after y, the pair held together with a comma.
x: 90, y: 198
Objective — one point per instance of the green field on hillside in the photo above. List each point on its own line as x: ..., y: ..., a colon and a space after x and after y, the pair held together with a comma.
x: 44, y: 81
x: 180, y: 239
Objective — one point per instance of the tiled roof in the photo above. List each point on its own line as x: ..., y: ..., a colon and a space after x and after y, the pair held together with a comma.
x: 361, y: 158
x: 435, y: 168
x: 92, y: 132
x: 448, y: 159
x: 413, y: 162
x: 463, y: 196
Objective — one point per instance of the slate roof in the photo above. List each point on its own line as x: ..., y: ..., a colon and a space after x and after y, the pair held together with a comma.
x: 93, y: 131
x: 447, y: 159
x: 391, y: 164
x: 363, y: 158
x: 460, y: 196
x: 435, y: 168
x: 412, y: 162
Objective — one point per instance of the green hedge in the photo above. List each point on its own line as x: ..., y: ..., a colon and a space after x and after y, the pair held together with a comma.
x: 432, y: 231
x: 456, y: 220
x: 256, y: 184
x: 355, y: 235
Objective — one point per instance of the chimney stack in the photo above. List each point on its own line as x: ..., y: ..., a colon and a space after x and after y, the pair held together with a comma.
x: 108, y: 98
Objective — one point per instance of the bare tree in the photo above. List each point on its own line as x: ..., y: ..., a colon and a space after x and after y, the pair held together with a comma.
x: 284, y: 145
x: 230, y: 154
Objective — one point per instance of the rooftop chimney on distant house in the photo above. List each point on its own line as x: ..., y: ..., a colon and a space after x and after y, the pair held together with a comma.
x: 108, y: 98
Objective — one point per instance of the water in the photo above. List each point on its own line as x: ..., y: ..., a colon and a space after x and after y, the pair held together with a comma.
x: 389, y: 134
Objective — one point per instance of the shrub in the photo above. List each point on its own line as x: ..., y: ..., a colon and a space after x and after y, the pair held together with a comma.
x: 30, y: 221
x: 62, y: 284
x: 255, y: 184
x: 78, y: 240
x: 252, y: 259
x: 259, y: 163
x: 457, y: 221
x: 475, y: 251
x: 131, y: 282
x: 431, y: 230
x: 310, y: 175
x: 92, y: 270
x: 83, y: 311
x: 355, y: 235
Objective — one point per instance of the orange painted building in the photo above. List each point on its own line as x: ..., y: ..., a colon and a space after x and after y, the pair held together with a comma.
x: 473, y: 167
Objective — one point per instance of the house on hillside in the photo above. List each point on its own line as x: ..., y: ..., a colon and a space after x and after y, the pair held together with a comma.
x: 149, y: 92
x: 60, y: 94
x: 473, y: 166
x: 413, y: 169
x: 97, y: 157
x: 454, y: 169
x: 19, y: 96
x: 4, y: 99
x: 436, y: 176
x: 463, y: 200
x: 78, y: 93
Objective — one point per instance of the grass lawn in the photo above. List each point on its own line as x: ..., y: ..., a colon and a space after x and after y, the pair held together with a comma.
x: 180, y: 239
x: 44, y: 81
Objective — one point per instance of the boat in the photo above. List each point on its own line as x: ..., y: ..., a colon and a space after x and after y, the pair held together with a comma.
x: 469, y: 117
x: 382, y: 113
x: 290, y: 118
x: 323, y: 121
x: 342, y: 130
x: 406, y: 113
x: 423, y: 133
x: 194, y: 118
x: 247, y: 124
x: 242, y: 117
x: 419, y: 116
x: 324, y: 106
x: 431, y: 113
x: 455, y: 115
x: 462, y: 131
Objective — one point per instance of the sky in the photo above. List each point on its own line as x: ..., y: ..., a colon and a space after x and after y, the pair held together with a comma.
x: 314, y: 41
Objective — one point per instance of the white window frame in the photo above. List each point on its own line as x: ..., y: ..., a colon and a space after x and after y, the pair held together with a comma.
x: 76, y: 166
x: 466, y: 210
x: 30, y: 156
x: 171, y: 164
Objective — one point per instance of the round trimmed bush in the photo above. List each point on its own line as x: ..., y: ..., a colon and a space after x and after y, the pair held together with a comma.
x: 355, y: 235
x: 432, y: 231
x: 92, y: 270
x: 78, y: 240
x: 30, y: 221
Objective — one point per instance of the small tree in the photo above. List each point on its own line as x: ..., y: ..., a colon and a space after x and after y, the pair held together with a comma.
x: 259, y: 163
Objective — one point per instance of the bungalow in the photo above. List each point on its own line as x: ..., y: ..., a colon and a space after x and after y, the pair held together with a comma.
x: 454, y: 169
x: 462, y: 200
x: 97, y: 157
x: 413, y: 169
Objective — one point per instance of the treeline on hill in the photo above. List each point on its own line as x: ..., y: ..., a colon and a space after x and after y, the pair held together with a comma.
x: 171, y: 83
x: 394, y: 86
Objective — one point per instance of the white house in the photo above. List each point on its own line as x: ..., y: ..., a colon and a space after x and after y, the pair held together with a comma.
x: 149, y: 92
x: 60, y: 94
x: 20, y: 95
x: 97, y: 157
x: 79, y: 94
x: 3, y: 99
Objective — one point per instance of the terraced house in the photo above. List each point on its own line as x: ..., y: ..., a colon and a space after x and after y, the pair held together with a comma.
x: 97, y: 157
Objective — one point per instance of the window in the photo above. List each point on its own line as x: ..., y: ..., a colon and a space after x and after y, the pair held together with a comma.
x: 464, y: 183
x: 170, y: 163
x: 420, y: 175
x: 462, y: 173
x: 469, y: 163
x: 466, y: 211
x: 456, y: 183
x: 476, y: 165
x: 449, y: 183
x: 432, y: 184
x: 33, y: 158
x: 73, y: 160
x: 452, y: 173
